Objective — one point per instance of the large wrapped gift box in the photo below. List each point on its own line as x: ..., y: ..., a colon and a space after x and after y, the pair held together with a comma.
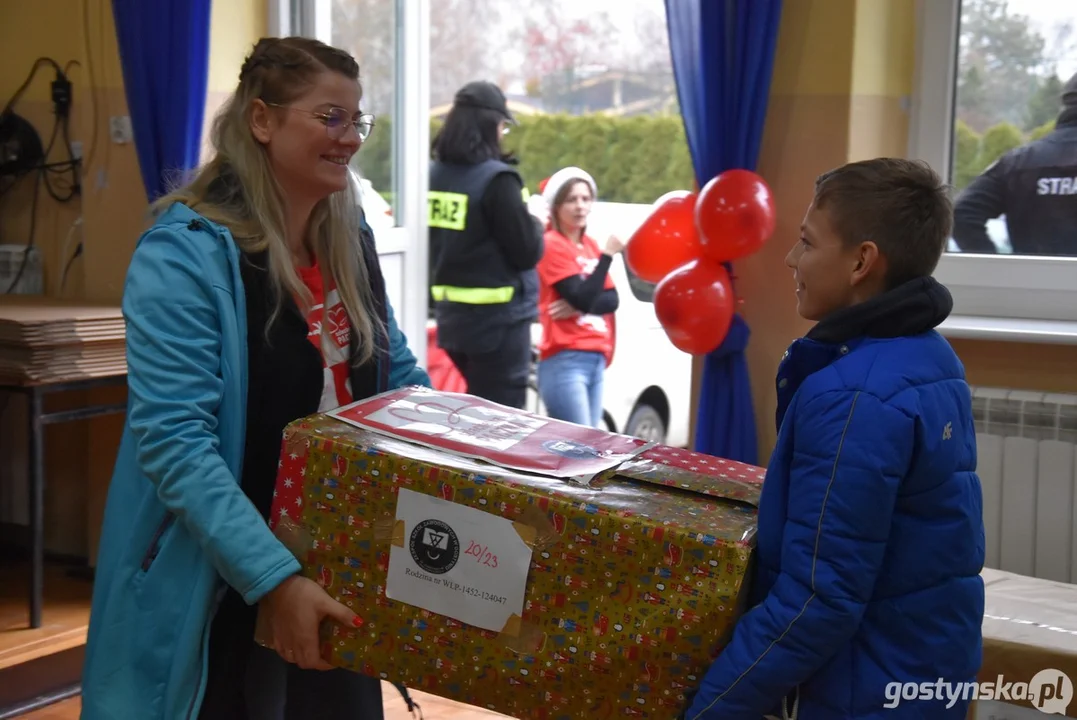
x: 516, y: 563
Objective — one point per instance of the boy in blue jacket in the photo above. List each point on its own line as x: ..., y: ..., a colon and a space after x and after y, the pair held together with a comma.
x: 871, y: 535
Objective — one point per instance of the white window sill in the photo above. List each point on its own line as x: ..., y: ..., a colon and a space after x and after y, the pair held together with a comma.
x: 1050, y: 332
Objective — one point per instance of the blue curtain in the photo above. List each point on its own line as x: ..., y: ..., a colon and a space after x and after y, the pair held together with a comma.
x: 164, y: 53
x: 723, y: 59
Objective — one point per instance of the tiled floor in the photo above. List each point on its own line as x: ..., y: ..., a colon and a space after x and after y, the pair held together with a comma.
x: 434, y: 708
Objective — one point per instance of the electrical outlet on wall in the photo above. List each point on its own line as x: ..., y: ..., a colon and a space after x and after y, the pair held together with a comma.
x: 119, y: 129
x: 76, y: 156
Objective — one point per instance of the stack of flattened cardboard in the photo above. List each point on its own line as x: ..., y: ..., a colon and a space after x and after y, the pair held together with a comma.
x: 45, y: 341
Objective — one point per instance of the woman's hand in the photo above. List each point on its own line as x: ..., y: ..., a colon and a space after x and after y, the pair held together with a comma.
x: 614, y: 245
x: 562, y: 310
x: 295, y: 609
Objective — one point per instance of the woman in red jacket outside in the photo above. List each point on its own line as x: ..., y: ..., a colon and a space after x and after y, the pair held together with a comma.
x: 577, y: 301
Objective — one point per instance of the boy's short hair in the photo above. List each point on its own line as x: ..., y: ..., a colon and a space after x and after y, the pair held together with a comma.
x: 901, y: 205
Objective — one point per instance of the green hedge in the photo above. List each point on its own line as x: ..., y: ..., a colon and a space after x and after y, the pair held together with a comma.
x: 638, y: 159
x: 633, y: 160
x: 974, y: 153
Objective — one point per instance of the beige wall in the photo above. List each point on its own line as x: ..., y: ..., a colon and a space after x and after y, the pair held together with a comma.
x: 884, y: 63
x: 112, y: 207
x: 808, y: 130
x: 113, y: 202
x: 236, y: 27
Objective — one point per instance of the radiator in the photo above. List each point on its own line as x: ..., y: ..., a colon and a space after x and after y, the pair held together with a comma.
x: 1027, y: 463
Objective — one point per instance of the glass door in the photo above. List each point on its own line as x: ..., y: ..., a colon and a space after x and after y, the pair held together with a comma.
x: 390, y: 40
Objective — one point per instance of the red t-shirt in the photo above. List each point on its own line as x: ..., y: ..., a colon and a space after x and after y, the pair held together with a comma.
x: 337, y: 385
x: 562, y: 259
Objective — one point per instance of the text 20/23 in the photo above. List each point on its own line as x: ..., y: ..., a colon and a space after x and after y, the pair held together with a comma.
x: 482, y: 554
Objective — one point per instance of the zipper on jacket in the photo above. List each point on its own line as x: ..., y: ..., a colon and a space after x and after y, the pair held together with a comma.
x: 788, y: 714
x: 155, y: 543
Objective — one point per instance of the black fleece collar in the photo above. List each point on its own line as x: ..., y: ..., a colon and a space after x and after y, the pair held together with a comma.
x: 909, y: 309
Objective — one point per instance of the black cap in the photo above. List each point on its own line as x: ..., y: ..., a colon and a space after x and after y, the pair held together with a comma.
x: 482, y: 94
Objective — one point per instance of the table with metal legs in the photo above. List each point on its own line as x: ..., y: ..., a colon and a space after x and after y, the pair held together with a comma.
x: 38, y: 419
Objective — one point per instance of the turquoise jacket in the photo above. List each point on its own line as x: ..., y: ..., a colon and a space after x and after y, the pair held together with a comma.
x: 158, y: 581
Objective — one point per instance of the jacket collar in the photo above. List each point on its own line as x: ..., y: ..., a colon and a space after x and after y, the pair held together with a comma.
x: 179, y: 214
x: 909, y: 309
x: 1067, y: 119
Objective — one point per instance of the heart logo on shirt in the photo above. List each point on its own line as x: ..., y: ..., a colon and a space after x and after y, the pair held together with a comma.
x: 339, y: 327
x: 338, y: 318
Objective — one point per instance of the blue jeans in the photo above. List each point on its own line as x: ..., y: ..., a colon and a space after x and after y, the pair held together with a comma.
x: 570, y: 385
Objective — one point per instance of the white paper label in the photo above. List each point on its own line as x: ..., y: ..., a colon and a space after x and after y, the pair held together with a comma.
x: 458, y: 561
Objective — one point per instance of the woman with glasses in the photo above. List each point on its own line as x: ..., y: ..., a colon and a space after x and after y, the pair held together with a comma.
x: 255, y: 299
x: 484, y: 246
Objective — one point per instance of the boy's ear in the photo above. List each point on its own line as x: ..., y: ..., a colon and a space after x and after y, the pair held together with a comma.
x: 870, y: 263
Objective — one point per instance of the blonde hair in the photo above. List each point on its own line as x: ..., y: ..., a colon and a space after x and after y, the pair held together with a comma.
x: 237, y: 188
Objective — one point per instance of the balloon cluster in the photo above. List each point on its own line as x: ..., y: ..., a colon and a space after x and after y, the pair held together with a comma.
x: 682, y: 246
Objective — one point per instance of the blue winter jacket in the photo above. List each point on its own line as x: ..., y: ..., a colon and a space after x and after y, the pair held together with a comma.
x: 871, y: 536
x: 158, y: 583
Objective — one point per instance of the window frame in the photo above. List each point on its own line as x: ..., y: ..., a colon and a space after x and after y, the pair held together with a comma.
x: 410, y: 148
x: 995, y: 296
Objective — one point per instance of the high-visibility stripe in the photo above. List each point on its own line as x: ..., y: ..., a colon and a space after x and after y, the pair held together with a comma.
x: 446, y: 210
x: 472, y: 295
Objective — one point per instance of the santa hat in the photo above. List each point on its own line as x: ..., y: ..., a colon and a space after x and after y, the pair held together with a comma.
x: 553, y: 184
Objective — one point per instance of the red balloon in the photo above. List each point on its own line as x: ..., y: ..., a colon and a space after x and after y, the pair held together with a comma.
x: 695, y: 305
x: 735, y: 215
x: 667, y: 239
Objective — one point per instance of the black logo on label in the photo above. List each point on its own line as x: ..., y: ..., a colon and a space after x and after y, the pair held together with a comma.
x: 434, y: 547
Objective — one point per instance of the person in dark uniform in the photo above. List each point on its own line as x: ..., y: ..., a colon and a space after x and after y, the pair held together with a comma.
x: 1035, y: 185
x: 485, y: 243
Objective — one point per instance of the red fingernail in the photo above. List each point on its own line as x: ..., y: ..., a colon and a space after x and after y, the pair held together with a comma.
x: 358, y: 621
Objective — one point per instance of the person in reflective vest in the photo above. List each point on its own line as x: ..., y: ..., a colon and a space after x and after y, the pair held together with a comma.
x: 486, y: 240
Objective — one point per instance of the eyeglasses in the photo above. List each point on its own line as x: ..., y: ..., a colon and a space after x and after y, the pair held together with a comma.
x: 337, y: 121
